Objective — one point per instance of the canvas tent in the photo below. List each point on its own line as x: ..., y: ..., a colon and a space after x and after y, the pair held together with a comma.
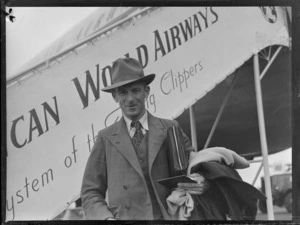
x: 238, y: 127
x: 51, y: 134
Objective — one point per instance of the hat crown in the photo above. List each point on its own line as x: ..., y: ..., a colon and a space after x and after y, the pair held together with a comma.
x: 125, y: 70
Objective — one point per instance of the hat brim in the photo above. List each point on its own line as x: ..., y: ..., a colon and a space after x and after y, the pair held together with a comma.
x: 147, y: 79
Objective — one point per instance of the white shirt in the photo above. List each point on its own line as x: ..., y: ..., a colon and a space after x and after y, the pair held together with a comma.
x: 143, y: 120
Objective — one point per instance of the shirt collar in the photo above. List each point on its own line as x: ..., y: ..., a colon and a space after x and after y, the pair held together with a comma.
x: 143, y: 120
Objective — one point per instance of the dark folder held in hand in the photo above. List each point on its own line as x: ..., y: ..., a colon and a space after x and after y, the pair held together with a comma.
x: 172, y: 182
x: 177, y: 159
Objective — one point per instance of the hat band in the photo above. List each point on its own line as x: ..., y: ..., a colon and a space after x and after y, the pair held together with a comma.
x: 127, y: 77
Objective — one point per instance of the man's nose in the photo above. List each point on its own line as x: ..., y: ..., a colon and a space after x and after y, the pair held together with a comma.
x: 130, y: 97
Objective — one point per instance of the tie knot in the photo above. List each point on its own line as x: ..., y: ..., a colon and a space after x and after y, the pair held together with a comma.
x: 136, y: 124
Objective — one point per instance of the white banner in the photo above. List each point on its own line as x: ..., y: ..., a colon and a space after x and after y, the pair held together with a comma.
x: 53, y: 117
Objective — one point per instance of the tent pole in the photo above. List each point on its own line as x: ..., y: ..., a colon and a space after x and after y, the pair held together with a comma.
x: 193, y: 128
x: 212, y: 131
x: 270, y: 62
x: 257, y: 173
x: 263, y: 138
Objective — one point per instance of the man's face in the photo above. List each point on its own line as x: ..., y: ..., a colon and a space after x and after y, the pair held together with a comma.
x: 131, y: 99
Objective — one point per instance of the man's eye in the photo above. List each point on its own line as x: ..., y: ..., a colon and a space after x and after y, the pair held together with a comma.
x: 122, y: 92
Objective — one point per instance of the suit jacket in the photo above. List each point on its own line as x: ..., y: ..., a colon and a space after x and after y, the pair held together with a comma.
x: 113, y: 173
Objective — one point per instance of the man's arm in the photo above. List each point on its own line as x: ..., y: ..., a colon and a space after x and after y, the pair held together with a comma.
x: 94, y: 184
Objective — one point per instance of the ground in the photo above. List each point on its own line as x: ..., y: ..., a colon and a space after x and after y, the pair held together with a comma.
x: 280, y: 213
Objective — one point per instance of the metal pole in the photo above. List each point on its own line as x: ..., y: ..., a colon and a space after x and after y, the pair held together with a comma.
x: 255, y: 161
x: 212, y: 131
x: 263, y: 138
x: 257, y: 173
x: 270, y: 62
x: 193, y: 128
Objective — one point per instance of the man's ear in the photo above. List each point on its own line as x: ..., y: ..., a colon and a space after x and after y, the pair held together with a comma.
x: 115, y: 96
x: 147, y: 89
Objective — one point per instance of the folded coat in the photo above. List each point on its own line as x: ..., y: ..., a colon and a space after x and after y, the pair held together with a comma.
x: 228, y: 196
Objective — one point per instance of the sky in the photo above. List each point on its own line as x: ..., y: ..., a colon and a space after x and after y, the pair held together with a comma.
x: 35, y: 28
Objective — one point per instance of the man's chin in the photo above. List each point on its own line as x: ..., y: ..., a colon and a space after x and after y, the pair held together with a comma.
x: 131, y: 115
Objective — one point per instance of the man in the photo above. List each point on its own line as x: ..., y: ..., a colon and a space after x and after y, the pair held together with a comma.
x: 131, y: 155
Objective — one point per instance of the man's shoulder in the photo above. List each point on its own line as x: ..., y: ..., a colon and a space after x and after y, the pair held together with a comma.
x: 110, y: 129
x: 166, y: 122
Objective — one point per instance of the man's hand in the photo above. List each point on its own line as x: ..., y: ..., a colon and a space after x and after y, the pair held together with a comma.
x: 195, y: 188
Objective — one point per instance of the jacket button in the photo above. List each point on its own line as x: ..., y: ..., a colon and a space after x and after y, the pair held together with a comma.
x: 125, y: 187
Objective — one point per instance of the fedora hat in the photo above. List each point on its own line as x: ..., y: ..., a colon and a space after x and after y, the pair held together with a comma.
x: 126, y: 71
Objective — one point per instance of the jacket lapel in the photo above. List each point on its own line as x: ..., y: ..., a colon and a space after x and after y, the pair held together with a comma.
x: 121, y: 140
x: 157, y: 135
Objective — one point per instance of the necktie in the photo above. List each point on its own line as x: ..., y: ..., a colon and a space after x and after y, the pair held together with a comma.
x: 138, y: 135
